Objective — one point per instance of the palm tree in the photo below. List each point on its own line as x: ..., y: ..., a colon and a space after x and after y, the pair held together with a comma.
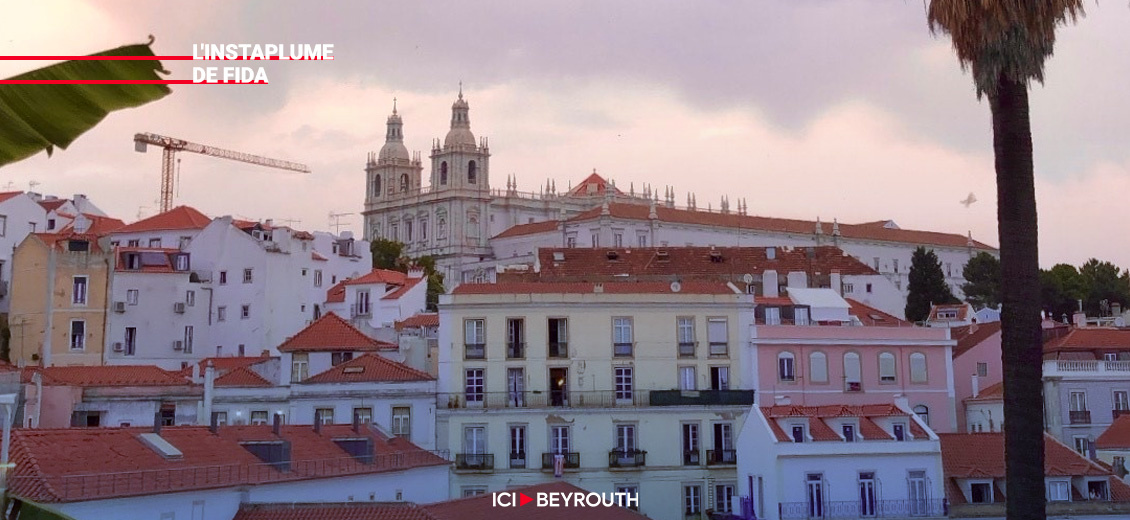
x: 1005, y: 44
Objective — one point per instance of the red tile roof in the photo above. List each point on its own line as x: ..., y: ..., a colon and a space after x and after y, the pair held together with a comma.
x: 1090, y: 339
x: 544, y: 226
x: 314, y: 255
x: 873, y: 317
x: 990, y: 394
x: 52, y: 205
x: 369, y: 368
x: 820, y: 431
x: 9, y: 194
x: 336, y: 294
x: 180, y: 217
x: 73, y: 464
x: 242, y: 377
x: 225, y: 364
x: 688, y: 287
x: 867, y: 410
x: 729, y: 263
x: 99, y: 225
x: 869, y: 231
x: 594, y: 184
x: 427, y: 319
x: 981, y: 455
x: 59, y: 240
x: 962, y: 309
x: 385, y: 276
x: 871, y: 431
x: 153, y: 260
x: 969, y: 336
x: 108, y: 375
x: 471, y: 508
x: 403, y: 289
x: 332, y: 333
x: 1117, y: 436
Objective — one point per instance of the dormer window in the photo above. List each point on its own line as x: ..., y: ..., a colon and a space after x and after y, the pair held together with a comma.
x: 798, y: 433
x: 78, y: 246
x: 180, y: 262
x: 133, y: 261
x: 849, y: 432
x: 947, y: 315
x: 899, y: 431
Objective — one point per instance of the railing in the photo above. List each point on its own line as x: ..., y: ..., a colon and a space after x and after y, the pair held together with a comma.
x: 572, y: 460
x: 358, y: 310
x: 626, y: 458
x: 719, y: 457
x: 559, y: 350
x: 692, y: 458
x: 1116, y: 413
x: 855, y: 509
x: 1072, y: 365
x: 701, y: 397
x: 474, y: 351
x: 622, y: 349
x: 517, y: 460
x: 478, y: 461
x: 540, y: 399
x: 686, y: 349
x: 155, y: 481
x: 516, y: 350
x: 1079, y: 416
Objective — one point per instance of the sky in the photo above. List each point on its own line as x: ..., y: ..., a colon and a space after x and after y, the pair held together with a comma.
x: 838, y: 109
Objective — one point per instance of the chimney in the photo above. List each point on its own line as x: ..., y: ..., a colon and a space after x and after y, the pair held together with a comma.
x: 157, y: 422
x: 415, y: 272
x: 837, y: 283
x: 976, y: 385
x: 215, y: 425
x: 1080, y: 319
x: 277, y: 427
x: 769, y: 284
x: 317, y: 425
x: 209, y: 387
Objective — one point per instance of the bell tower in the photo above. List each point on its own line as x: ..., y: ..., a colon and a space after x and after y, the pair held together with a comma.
x: 459, y: 162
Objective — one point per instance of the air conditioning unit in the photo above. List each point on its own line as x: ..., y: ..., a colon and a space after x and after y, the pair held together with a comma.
x: 118, y: 346
x: 178, y: 307
x: 178, y: 345
x: 119, y: 307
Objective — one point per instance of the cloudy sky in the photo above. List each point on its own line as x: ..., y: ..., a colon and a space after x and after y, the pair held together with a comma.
x: 844, y: 109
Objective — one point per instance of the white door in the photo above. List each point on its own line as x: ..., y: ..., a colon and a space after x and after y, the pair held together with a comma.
x: 867, y: 494
x: 917, y: 496
x: 815, y: 496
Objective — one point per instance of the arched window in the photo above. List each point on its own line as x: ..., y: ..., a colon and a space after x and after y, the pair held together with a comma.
x: 818, y: 367
x: 472, y: 227
x: 404, y: 182
x: 923, y: 413
x: 887, y: 367
x: 786, y: 366
x: 376, y: 185
x: 443, y: 173
x: 472, y: 172
x: 853, y: 379
x: 441, y: 227
x: 918, y: 367
x: 407, y: 231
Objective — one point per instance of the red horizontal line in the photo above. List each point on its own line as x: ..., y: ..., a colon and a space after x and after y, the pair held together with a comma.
x: 189, y: 58
x: 123, y: 82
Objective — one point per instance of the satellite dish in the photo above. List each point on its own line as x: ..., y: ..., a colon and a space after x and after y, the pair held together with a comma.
x: 747, y: 278
x: 676, y: 286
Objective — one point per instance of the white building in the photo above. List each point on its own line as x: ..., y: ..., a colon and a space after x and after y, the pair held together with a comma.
x: 374, y: 302
x: 60, y: 212
x: 196, y: 472
x: 100, y: 396
x: 19, y: 215
x: 838, y: 462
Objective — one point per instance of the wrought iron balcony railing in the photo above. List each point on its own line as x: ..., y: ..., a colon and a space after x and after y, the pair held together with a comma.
x: 719, y: 457
x: 572, y: 460
x: 472, y: 461
x: 854, y: 509
x: 619, y: 458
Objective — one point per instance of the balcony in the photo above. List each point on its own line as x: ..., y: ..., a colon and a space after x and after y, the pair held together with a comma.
x: 686, y: 349
x: 543, y: 399
x: 1086, y: 368
x: 360, y: 310
x: 516, y: 350
x: 626, y: 458
x: 692, y: 458
x: 474, y: 461
x: 622, y: 349
x: 853, y: 386
x: 701, y: 397
x: 517, y: 460
x: 1116, y: 413
x: 925, y: 508
x: 559, y: 350
x: 721, y: 457
x: 1079, y: 416
x: 474, y: 351
x: 572, y: 460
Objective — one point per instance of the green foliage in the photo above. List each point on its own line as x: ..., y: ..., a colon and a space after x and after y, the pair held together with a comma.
x: 1062, y: 286
x: 983, y: 281
x: 388, y: 254
x: 41, y: 117
x: 927, y: 285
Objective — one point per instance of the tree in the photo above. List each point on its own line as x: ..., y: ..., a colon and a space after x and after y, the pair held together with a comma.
x: 927, y: 285
x: 983, y: 281
x: 389, y: 254
x: 1104, y: 284
x: 1005, y: 43
x: 386, y: 254
x: 1061, y: 288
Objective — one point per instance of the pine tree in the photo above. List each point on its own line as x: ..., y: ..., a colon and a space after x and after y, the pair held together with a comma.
x: 927, y: 285
x: 983, y: 281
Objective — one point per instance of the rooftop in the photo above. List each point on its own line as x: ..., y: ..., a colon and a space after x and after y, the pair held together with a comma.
x: 242, y: 377
x: 969, y: 336
x: 688, y: 287
x: 369, y: 368
x: 991, y: 394
x: 332, y: 333
x: 425, y: 319
x: 872, y: 317
x: 981, y: 455
x: 1089, y: 339
x: 109, y: 375
x: 1117, y: 436
x: 180, y: 217
x: 819, y: 430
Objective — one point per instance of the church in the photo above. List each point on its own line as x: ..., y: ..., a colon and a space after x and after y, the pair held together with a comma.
x: 475, y: 231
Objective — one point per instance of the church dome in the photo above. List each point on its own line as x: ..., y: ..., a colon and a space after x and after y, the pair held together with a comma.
x: 459, y: 136
x: 394, y: 150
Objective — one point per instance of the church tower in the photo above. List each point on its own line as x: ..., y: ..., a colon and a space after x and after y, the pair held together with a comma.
x: 391, y: 174
x: 461, y: 162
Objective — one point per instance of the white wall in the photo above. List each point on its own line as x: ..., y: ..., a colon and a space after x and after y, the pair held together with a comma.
x: 22, y: 216
x: 158, y: 325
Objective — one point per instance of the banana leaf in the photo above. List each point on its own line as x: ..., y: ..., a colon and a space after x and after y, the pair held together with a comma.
x: 28, y: 510
x: 42, y: 117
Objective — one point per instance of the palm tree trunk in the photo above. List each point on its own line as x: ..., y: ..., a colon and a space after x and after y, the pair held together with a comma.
x: 1021, y: 337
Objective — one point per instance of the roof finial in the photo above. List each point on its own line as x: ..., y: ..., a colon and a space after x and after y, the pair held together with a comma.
x: 394, y: 106
x: 460, y: 89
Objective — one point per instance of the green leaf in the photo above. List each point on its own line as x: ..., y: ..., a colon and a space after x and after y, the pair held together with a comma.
x: 41, y: 117
x: 28, y: 510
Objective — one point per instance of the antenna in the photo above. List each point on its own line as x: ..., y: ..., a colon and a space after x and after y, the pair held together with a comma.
x: 141, y: 211
x: 336, y: 223
x: 10, y: 185
x: 32, y: 184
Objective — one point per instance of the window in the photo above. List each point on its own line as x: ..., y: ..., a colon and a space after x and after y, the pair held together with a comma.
x: 558, y: 338
x: 363, y: 414
x: 518, y: 446
x: 626, y: 437
x: 623, y: 383
x: 923, y: 413
x: 402, y: 422
x: 404, y: 182
x: 918, y: 367
x: 692, y: 499
x: 188, y: 333
x: 895, y: 264
x: 50, y: 224
x: 595, y: 240
x: 886, y: 367
x: 323, y: 415
x: 317, y: 278
x: 472, y: 172
x: 1097, y: 490
x: 474, y: 339
x: 899, y: 430
x: 982, y: 370
x: 131, y: 341
x: 1078, y: 401
x: 190, y: 298
x: 848, y: 288
x: 245, y: 312
x: 221, y: 313
x: 786, y: 367
x: 631, y: 494
x: 3, y: 225
x: 154, y: 242
x: 131, y: 296
x: 724, y: 498
x: 981, y: 493
x: 423, y: 230
x: 691, y: 451
x: 622, y: 337
x: 443, y: 172
x: 247, y: 275
x: 559, y: 439
x: 475, y: 385
x: 1059, y: 491
x: 408, y: 231
x: 800, y: 316
x: 78, y: 335
x: 299, y: 367
x: 239, y: 350
x: 720, y: 378
x: 849, y: 432
x: 684, y: 333
x: 376, y: 189
x: 717, y: 336
x: 472, y: 227
x: 1110, y: 356
x: 772, y: 315
x: 876, y: 263
x: 78, y: 290
x: 571, y: 241
x: 868, y: 288
x: 515, y: 338
x: 641, y: 240
x: 798, y: 433
x: 260, y: 417
x: 1120, y: 400
x: 180, y: 262
x: 337, y: 358
x: 223, y: 277
x: 516, y: 386
x: 618, y: 240
x: 852, y: 373
x: 687, y: 379
x: 472, y: 491
x: 441, y: 228
x: 818, y: 367
x: 133, y: 243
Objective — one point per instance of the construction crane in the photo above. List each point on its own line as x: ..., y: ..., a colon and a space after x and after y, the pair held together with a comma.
x: 172, y: 145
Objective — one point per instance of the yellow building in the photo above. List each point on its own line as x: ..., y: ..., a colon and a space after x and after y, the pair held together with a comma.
x: 59, y: 287
x: 627, y: 386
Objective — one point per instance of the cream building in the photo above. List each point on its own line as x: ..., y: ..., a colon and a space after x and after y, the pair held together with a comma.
x: 633, y: 384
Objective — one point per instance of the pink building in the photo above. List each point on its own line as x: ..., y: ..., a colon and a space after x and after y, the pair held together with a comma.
x: 814, y: 349
x: 976, y: 363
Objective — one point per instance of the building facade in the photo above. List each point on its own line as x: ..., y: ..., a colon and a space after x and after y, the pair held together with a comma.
x: 1086, y: 383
